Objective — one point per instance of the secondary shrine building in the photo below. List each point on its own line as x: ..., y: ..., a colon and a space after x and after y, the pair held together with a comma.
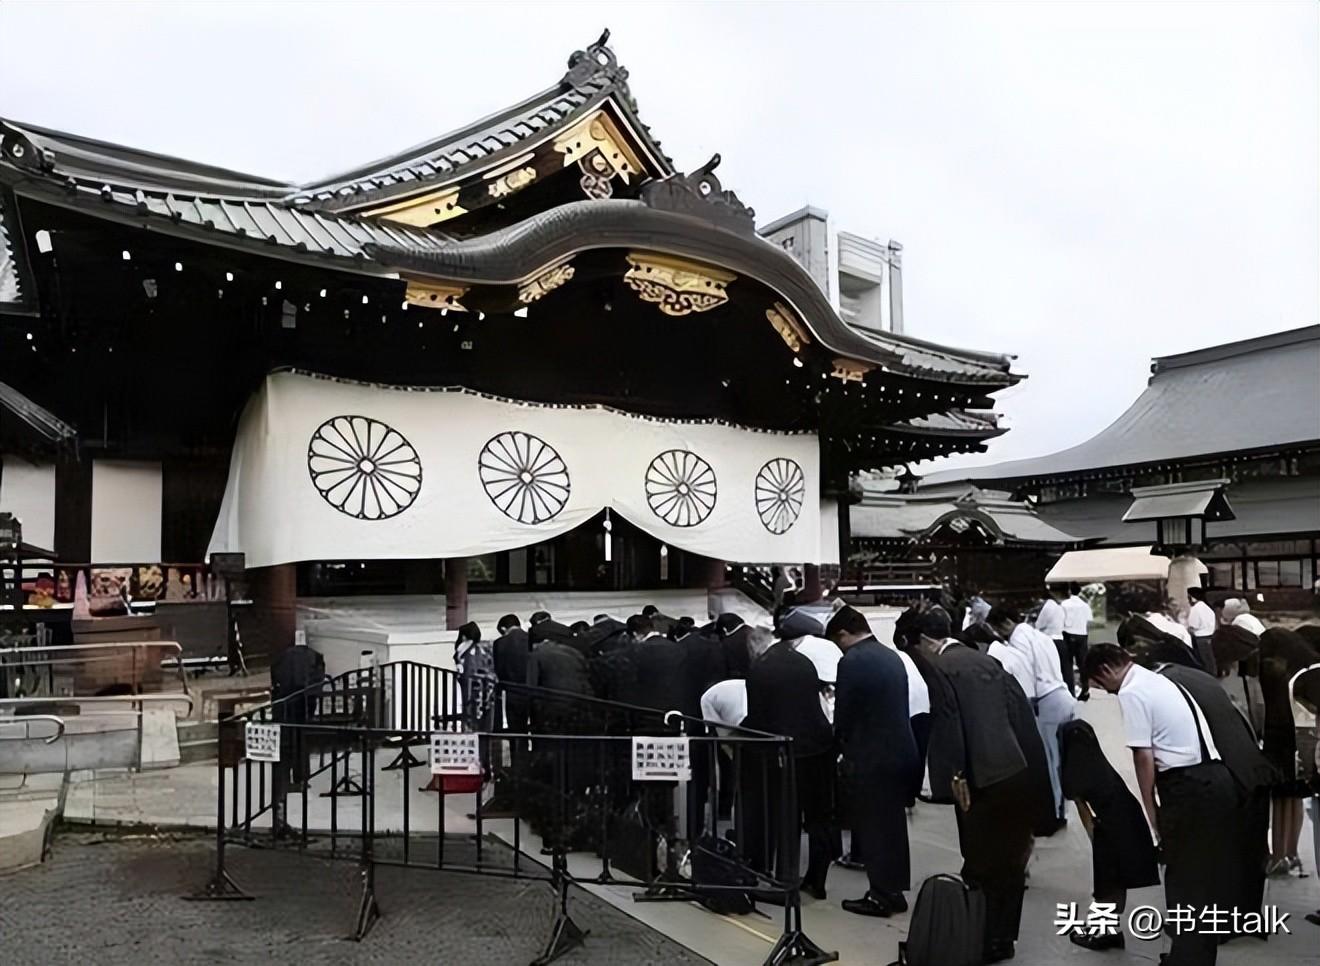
x: 529, y: 354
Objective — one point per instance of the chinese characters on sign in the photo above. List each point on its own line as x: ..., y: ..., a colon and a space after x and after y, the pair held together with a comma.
x: 1148, y: 922
x: 455, y: 753
x: 660, y: 760
x: 261, y: 742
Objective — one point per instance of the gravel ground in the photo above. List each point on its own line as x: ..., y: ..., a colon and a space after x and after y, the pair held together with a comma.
x: 117, y: 899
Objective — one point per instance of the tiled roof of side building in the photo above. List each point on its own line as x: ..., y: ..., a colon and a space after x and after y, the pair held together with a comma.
x: 1256, y: 395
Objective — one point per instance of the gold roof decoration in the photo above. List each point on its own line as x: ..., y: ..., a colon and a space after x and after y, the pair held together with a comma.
x: 677, y: 286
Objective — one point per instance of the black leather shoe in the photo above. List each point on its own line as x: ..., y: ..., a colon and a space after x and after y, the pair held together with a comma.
x: 1313, y: 918
x: 868, y: 905
x: 895, y: 901
x: 1000, y: 950
x: 1097, y: 942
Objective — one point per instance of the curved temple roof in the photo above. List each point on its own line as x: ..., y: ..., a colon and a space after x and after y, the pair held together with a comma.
x: 342, y: 222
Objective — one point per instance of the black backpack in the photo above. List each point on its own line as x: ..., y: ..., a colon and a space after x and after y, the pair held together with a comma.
x: 947, y: 926
x: 716, y: 862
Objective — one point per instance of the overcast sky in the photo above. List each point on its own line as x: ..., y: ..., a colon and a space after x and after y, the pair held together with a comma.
x: 1082, y: 185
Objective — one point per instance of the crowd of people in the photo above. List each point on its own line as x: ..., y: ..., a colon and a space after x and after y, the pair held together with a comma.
x: 980, y: 714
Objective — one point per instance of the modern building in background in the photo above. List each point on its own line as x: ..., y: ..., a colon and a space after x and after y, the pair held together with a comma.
x: 862, y: 278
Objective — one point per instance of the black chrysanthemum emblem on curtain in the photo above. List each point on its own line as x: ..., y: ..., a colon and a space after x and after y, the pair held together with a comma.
x: 364, y: 468
x: 680, y: 488
x: 780, y: 489
x: 524, y: 477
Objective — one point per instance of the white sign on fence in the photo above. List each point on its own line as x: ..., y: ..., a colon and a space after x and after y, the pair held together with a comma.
x: 455, y: 753
x: 261, y: 742
x: 660, y: 760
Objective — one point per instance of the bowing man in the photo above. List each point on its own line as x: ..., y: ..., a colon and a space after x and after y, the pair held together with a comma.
x: 1189, y: 794
x: 987, y: 758
x: 879, y: 757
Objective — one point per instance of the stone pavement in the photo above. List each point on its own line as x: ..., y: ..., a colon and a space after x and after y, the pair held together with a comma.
x: 116, y: 900
x: 1060, y: 872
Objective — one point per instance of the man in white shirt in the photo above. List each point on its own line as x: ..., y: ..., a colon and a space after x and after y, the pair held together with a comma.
x: 1238, y: 613
x: 725, y: 703
x: 1076, y: 625
x: 1188, y: 793
x: 1201, y: 624
x: 1048, y: 695
x: 1050, y: 619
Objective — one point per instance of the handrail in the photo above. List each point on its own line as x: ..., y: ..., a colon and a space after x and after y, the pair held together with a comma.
x: 29, y: 719
x: 329, y: 685
x: 20, y: 653
x: 163, y: 697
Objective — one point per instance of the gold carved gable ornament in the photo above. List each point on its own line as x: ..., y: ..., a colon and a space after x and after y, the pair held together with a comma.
x: 676, y: 286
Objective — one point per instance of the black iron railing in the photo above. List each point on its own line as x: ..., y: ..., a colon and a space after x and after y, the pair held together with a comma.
x: 566, y: 780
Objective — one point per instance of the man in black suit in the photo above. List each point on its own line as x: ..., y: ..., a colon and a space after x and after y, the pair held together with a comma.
x: 783, y: 698
x: 659, y: 621
x: 879, y: 756
x: 513, y: 652
x: 986, y: 757
x: 733, y: 633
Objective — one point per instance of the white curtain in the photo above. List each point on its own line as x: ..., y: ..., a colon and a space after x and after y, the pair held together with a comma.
x: 325, y: 469
x: 126, y: 511
x: 27, y: 490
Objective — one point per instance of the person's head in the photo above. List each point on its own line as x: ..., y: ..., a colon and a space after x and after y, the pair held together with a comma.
x: 579, y: 627
x: 796, y: 623
x: 600, y: 618
x: 1074, y: 589
x: 1003, y: 619
x: 1106, y: 666
x: 759, y: 640
x: 507, y: 623
x: 1234, y: 608
x: 679, y: 630
x: 934, y: 628
x: 775, y: 572
x: 847, y: 627
x: 650, y: 610
x: 687, y: 622
x: 727, y: 624
x: 640, y: 626
x: 1057, y: 591
x: 538, y: 617
x: 469, y: 632
x: 1195, y: 594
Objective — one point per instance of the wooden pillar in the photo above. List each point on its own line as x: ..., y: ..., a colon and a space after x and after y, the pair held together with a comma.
x: 456, y: 593
x: 73, y: 510
x: 845, y: 535
x: 274, y: 592
x: 716, y: 575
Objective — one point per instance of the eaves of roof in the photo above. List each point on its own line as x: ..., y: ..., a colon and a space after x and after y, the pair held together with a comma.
x: 514, y: 254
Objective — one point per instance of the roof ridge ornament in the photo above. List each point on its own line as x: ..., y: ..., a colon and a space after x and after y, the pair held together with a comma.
x: 701, y: 195
x: 598, y: 62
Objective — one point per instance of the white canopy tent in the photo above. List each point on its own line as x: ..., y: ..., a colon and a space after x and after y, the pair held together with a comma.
x: 1110, y: 563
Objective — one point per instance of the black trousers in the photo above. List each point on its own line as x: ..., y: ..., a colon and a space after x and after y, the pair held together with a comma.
x: 1197, y: 805
x: 878, y: 803
x: 770, y: 837
x: 1072, y: 649
x: 995, y: 838
x: 921, y: 734
x: 1206, y: 654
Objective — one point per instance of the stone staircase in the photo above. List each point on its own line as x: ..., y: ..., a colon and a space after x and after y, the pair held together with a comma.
x: 198, y: 741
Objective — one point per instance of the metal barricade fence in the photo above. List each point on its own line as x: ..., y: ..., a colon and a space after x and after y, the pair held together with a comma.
x: 608, y: 793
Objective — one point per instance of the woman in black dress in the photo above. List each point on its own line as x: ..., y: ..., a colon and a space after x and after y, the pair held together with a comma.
x: 1284, y: 653
x: 1122, y: 850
